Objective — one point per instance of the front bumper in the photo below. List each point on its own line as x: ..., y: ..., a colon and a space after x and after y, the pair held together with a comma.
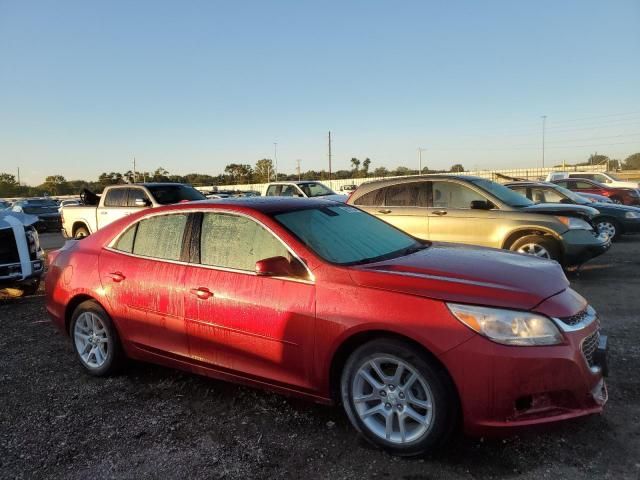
x: 505, y: 388
x: 581, y: 246
x: 11, y: 274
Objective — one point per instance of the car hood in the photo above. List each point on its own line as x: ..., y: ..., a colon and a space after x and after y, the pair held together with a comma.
x: 615, y: 207
x: 476, y: 275
x: 561, y: 209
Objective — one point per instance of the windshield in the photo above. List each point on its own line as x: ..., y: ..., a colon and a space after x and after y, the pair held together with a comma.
x: 314, y: 189
x: 504, y: 194
x: 572, y: 195
x: 167, y: 194
x: 347, y: 236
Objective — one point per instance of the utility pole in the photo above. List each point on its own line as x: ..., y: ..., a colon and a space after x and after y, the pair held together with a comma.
x: 298, y: 162
x: 18, y: 176
x: 329, y: 155
x: 275, y: 157
x: 134, y: 169
x: 420, y: 150
x: 544, y: 127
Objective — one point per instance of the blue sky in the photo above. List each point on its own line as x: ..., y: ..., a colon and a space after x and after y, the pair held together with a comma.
x: 192, y: 86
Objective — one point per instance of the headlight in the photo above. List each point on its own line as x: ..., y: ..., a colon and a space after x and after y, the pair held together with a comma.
x: 508, y: 327
x: 573, y: 223
x: 632, y: 215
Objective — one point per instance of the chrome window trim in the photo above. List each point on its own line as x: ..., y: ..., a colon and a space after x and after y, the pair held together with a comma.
x: 115, y: 239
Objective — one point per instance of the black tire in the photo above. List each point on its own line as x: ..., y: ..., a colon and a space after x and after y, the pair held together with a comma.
x: 548, y: 244
x: 114, y: 353
x: 81, y: 232
x: 611, y: 223
x: 445, y: 411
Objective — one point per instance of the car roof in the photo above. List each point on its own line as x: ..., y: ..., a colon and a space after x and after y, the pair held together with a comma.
x: 268, y: 205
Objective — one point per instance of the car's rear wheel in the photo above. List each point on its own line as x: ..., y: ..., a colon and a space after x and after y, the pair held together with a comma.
x: 538, y: 246
x: 608, y: 226
x: 95, y: 339
x: 397, y: 398
x: 81, y: 232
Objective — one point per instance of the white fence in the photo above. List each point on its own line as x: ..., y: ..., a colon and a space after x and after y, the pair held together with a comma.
x: 527, y: 173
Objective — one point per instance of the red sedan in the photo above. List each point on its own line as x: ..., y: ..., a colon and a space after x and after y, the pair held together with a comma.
x: 626, y: 196
x: 319, y: 299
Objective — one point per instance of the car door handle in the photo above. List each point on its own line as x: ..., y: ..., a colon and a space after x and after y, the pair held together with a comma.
x: 103, y: 212
x: 202, y: 293
x: 117, y: 277
x: 385, y: 211
x: 439, y: 212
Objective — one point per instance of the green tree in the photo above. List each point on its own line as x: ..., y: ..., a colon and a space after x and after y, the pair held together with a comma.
x: 355, y: 164
x: 457, y: 168
x: 8, y: 185
x: 632, y: 162
x: 55, y: 185
x: 402, y: 171
x: 160, y: 175
x: 263, y: 170
x: 365, y: 166
x: 380, y: 172
x: 240, y: 173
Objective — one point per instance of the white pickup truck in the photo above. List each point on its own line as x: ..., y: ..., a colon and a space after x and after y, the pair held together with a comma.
x: 309, y: 189
x: 118, y: 201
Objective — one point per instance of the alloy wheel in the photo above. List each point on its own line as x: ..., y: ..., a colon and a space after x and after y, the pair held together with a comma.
x: 393, y: 400
x: 535, y: 250
x: 608, y: 228
x: 91, y: 340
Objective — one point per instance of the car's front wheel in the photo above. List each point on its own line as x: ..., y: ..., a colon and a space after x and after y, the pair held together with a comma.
x: 95, y: 339
x: 608, y: 226
x: 397, y: 398
x: 538, y: 246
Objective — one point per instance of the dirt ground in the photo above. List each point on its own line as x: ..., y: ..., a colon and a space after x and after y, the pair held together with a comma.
x: 152, y: 422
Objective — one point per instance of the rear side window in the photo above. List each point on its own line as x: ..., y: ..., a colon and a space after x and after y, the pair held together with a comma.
x: 272, y: 191
x: 374, y: 198
x: 125, y: 242
x: 407, y: 195
x: 161, y: 236
x: 116, y: 197
x: 236, y: 242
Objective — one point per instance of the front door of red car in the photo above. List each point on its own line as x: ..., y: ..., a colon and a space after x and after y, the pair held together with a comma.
x: 143, y: 284
x: 240, y: 322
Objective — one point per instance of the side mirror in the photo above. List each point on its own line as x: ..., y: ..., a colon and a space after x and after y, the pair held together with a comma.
x: 274, y: 267
x: 480, y: 205
x: 141, y: 202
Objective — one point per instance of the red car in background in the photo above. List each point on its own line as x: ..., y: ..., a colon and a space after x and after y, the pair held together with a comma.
x: 322, y: 300
x: 626, y: 196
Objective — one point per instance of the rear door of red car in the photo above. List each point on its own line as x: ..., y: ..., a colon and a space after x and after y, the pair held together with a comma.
x: 238, y: 321
x: 143, y: 280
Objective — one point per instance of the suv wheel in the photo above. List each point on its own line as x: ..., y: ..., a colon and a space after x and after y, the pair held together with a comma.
x: 538, y: 246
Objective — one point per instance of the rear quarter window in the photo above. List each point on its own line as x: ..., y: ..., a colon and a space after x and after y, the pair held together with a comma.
x: 374, y: 198
x: 160, y: 236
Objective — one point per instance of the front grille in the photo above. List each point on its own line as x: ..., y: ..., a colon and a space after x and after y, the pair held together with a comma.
x: 8, y: 248
x: 577, y: 318
x: 589, y: 347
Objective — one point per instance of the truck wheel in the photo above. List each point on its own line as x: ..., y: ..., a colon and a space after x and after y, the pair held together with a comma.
x: 81, y: 232
x: 538, y: 246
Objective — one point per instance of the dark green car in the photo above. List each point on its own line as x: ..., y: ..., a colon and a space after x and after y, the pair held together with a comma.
x: 614, y: 219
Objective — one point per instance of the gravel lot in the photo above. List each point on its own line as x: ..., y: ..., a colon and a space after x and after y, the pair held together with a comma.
x: 152, y: 422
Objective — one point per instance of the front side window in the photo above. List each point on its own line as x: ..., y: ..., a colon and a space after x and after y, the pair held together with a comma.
x: 160, y: 236
x: 116, y: 197
x: 135, y: 194
x: 289, y: 191
x: 346, y: 235
x: 545, y: 195
x: 454, y: 195
x: 236, y: 242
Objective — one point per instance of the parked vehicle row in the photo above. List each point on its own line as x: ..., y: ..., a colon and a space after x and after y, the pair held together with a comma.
x: 118, y: 201
x: 322, y: 300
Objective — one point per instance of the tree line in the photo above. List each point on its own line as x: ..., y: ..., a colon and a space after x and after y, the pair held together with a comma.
x: 235, y: 174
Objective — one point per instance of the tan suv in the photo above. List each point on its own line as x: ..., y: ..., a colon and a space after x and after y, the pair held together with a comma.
x: 477, y: 211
